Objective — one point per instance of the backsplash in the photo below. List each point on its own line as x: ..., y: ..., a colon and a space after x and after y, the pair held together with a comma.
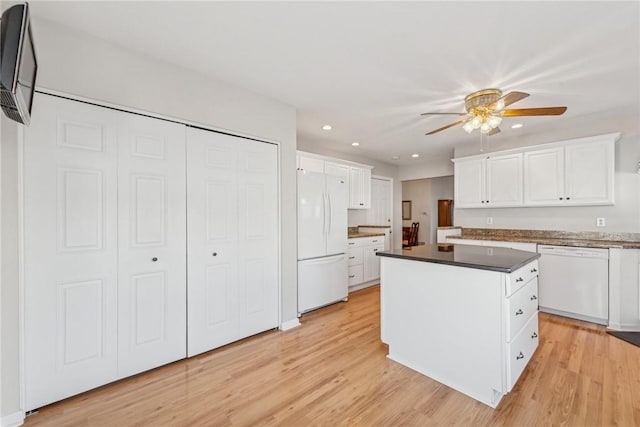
x: 552, y: 234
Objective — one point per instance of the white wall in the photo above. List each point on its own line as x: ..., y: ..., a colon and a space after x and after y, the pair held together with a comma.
x: 358, y: 216
x: 82, y: 65
x: 428, y: 169
x: 9, y: 291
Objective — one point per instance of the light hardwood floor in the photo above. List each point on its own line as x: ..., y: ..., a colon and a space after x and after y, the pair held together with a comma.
x: 333, y: 371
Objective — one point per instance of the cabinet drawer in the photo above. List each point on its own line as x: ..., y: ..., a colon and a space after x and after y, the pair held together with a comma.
x: 519, y: 352
x: 520, y: 306
x: 354, y: 255
x: 355, y: 274
x: 365, y: 241
x: 521, y: 277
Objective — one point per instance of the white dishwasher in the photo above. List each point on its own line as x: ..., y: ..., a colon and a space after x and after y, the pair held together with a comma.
x: 574, y: 282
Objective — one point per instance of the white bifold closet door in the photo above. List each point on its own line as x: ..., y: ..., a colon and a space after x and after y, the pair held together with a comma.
x: 104, y: 194
x: 232, y: 230
x: 152, y: 261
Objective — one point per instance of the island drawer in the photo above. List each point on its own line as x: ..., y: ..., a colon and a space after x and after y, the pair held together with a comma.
x: 355, y: 274
x: 354, y: 255
x: 521, y: 349
x: 521, y: 277
x: 520, y: 306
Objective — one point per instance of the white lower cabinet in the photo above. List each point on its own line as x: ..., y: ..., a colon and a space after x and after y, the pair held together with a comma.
x: 364, y: 264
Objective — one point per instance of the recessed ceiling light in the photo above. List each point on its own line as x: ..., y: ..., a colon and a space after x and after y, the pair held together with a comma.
x: 415, y: 155
x: 326, y: 127
x: 517, y: 126
x: 355, y: 144
x: 395, y: 157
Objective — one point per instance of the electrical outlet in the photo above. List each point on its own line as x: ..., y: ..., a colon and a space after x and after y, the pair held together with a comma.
x: 489, y: 220
x: 600, y: 222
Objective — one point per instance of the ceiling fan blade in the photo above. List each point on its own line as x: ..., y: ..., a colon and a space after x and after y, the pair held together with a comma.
x: 446, y: 127
x: 546, y: 111
x: 512, y: 97
x: 432, y: 114
x: 494, y: 131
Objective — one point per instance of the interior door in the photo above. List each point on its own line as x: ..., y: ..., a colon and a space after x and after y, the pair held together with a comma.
x: 152, y: 243
x: 70, y: 249
x: 258, y: 233
x: 232, y: 235
x: 212, y: 240
x: 380, y: 212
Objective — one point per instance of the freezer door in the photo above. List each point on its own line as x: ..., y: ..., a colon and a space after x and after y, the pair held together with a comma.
x: 312, y: 222
x: 337, y: 200
x: 322, y: 281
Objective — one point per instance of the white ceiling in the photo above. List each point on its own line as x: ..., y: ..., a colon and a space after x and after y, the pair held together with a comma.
x: 370, y: 68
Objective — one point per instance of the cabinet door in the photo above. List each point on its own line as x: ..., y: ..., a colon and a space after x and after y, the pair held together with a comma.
x: 70, y: 249
x: 544, y: 177
x: 355, y: 188
x: 366, y: 188
x: 589, y: 173
x: 372, y: 262
x: 337, y: 169
x: 152, y: 276
x: 469, y: 176
x: 310, y: 164
x: 504, y: 180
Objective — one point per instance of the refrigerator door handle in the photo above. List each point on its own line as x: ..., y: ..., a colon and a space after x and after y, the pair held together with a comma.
x: 324, y: 214
x: 330, y: 212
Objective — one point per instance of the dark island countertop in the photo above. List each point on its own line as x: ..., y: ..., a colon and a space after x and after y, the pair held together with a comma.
x: 503, y: 260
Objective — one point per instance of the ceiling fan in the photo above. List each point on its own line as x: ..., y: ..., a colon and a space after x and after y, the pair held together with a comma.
x: 485, y: 110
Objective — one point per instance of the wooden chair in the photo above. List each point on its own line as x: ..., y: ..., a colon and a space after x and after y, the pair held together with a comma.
x: 412, y: 238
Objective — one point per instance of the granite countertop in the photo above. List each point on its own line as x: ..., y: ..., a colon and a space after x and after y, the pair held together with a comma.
x: 363, y: 234
x: 503, y: 260
x: 375, y: 226
x: 574, y: 239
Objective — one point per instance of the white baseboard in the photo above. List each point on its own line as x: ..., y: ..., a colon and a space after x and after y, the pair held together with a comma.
x: 364, y: 285
x: 626, y: 327
x: 290, y: 324
x: 12, y: 420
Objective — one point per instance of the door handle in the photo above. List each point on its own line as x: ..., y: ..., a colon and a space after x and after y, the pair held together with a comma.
x: 520, y: 356
x: 519, y: 312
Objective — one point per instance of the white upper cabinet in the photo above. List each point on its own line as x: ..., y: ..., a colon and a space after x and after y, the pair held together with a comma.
x: 357, y: 176
x: 469, y: 183
x: 337, y: 169
x: 504, y: 180
x: 492, y: 181
x: 569, y: 173
x: 359, y: 188
x: 576, y: 174
x: 589, y: 173
x: 544, y: 177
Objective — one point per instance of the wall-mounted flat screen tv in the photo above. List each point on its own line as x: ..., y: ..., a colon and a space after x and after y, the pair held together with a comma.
x: 18, y: 64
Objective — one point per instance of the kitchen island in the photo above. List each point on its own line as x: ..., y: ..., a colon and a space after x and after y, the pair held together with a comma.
x: 465, y: 316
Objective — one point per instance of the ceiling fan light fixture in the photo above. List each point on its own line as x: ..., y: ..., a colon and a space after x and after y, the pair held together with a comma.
x: 494, y: 121
x: 468, y: 127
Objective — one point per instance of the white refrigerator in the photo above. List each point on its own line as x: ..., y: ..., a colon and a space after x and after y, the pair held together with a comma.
x: 322, y: 240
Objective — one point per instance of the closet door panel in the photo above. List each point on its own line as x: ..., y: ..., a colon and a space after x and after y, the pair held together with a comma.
x: 258, y: 236
x: 152, y: 243
x: 70, y: 249
x: 212, y: 235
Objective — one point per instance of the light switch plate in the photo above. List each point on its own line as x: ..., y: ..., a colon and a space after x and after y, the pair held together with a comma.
x: 489, y: 220
x: 600, y: 222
